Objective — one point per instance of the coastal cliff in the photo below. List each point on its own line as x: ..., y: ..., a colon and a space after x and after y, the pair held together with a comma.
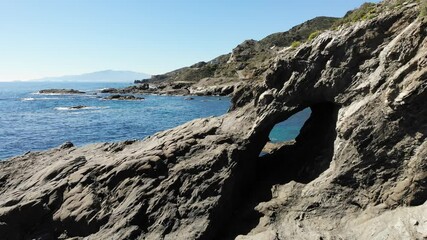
x: 357, y: 170
x: 220, y: 76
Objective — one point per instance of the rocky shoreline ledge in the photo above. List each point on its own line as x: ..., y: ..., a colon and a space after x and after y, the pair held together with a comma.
x: 175, y: 88
x: 357, y: 170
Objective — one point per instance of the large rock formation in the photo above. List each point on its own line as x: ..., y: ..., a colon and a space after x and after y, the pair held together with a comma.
x: 357, y: 170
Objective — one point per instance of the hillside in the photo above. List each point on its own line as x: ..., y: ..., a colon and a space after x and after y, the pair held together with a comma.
x: 247, y: 61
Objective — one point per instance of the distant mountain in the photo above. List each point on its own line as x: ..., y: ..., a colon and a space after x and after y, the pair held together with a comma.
x: 101, y: 76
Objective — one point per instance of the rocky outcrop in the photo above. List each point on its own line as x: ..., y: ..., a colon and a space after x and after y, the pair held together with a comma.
x: 60, y: 91
x: 142, y: 82
x: 357, y: 170
x: 136, y: 89
x: 215, y: 90
x: 179, y: 88
x: 175, y: 88
x: 122, y: 97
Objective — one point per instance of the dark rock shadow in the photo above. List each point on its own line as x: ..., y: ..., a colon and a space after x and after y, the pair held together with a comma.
x: 302, y: 161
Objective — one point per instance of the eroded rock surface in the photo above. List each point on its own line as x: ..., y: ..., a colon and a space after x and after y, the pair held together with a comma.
x: 358, y: 169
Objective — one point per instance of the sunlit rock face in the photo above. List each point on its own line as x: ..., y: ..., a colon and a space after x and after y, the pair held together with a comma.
x: 358, y: 165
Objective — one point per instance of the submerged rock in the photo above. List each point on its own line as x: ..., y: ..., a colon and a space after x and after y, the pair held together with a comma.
x: 77, y: 107
x: 357, y: 167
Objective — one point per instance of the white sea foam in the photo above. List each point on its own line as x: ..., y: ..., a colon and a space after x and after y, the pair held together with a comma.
x: 39, y: 99
x: 103, y: 107
x: 57, y: 94
x: 64, y: 108
x: 48, y: 94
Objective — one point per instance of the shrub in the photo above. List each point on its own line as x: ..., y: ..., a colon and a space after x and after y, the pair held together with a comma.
x: 295, y: 44
x: 423, y: 8
x: 366, y: 11
x: 313, y: 35
x: 399, y: 3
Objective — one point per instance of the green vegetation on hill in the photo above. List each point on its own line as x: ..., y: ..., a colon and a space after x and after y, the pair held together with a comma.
x: 371, y: 10
x: 250, y: 58
x: 364, y: 12
x: 313, y: 35
x: 423, y: 8
x: 295, y: 44
x: 298, y: 33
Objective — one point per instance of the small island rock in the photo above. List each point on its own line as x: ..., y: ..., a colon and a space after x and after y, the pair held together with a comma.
x: 123, y: 97
x: 60, y: 91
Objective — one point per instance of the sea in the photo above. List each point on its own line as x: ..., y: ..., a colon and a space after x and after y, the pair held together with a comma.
x: 30, y: 121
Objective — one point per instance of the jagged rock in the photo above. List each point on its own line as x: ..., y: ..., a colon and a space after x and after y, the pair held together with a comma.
x: 215, y: 90
x: 139, y: 88
x: 244, y: 51
x: 109, y: 90
x: 175, y: 88
x: 142, y: 84
x: 66, y: 145
x: 357, y: 170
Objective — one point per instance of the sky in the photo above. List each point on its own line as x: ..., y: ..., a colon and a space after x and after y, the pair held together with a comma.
x: 41, y: 38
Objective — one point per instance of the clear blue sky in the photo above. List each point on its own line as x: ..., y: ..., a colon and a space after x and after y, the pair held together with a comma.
x: 58, y: 37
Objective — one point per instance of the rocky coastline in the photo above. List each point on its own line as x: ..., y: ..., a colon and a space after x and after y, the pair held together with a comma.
x: 357, y: 170
x: 175, y: 88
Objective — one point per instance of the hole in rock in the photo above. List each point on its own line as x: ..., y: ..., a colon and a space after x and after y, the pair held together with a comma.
x: 286, y: 131
x: 301, y: 160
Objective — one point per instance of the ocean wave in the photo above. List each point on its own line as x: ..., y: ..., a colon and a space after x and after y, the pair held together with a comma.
x: 76, y: 108
x: 38, y: 99
x: 91, y: 96
x: 57, y: 94
x: 65, y: 95
x: 48, y: 94
x: 28, y: 99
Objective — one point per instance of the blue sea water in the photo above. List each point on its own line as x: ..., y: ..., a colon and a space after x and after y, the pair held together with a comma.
x: 290, y: 128
x: 31, y: 121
